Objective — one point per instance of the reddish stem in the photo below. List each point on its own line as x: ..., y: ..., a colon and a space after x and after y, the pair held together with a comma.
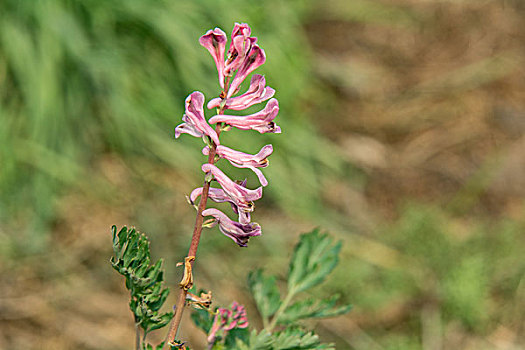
x: 197, y: 230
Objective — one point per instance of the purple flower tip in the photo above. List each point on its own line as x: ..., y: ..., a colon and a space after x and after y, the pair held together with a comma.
x: 239, y: 233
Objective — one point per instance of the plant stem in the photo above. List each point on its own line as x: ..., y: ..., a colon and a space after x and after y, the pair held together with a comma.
x: 284, y: 305
x: 197, y: 230
x: 137, y: 336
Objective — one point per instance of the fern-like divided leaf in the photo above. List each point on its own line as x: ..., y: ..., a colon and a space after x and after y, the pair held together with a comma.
x: 312, y: 308
x: 296, y: 339
x: 144, y: 281
x: 288, y: 339
x: 313, y: 259
x: 265, y: 292
x: 256, y: 341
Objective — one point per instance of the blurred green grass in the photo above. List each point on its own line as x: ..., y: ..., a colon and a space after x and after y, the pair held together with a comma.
x: 90, y: 92
x: 83, y: 79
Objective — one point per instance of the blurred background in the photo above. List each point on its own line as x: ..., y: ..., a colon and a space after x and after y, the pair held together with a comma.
x: 403, y: 136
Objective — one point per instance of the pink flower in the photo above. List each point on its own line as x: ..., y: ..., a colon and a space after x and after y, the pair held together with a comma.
x: 215, y: 42
x: 257, y: 93
x: 219, y: 196
x: 254, y: 59
x: 194, y: 122
x: 239, y: 233
x: 215, y: 194
x: 244, y: 160
x: 241, y: 196
x: 240, y: 46
x: 226, y: 320
x: 261, y: 121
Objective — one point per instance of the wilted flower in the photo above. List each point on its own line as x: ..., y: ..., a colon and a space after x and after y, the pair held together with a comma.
x: 240, y: 233
x: 194, y: 122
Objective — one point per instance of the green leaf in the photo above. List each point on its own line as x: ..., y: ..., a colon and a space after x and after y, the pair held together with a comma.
x: 261, y: 341
x: 144, y: 281
x: 314, y: 257
x: 156, y: 303
x: 234, y: 334
x: 296, y: 339
x: 312, y: 308
x: 202, y: 319
x: 160, y: 321
x: 265, y: 293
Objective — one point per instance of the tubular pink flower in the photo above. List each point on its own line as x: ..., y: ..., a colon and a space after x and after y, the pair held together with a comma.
x: 240, y: 46
x: 215, y: 42
x: 241, y: 196
x: 244, y: 160
x: 261, y: 121
x: 239, y: 233
x: 215, y: 194
x: 257, y: 93
x: 219, y: 196
x: 254, y: 59
x: 194, y: 122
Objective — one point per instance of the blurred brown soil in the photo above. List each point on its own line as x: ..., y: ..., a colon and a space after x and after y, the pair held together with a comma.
x: 429, y: 106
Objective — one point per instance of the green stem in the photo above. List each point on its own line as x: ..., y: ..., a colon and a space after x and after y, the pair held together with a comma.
x: 284, y: 305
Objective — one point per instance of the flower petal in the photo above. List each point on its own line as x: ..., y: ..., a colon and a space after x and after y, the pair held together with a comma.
x: 215, y: 194
x: 245, y: 160
x: 194, y: 122
x: 254, y: 59
x: 240, y: 46
x: 239, y: 233
x: 241, y: 196
x: 215, y: 42
x: 257, y: 93
x: 261, y: 121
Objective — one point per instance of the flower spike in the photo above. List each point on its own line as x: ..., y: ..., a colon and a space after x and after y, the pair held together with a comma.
x: 243, y: 56
x: 225, y: 320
